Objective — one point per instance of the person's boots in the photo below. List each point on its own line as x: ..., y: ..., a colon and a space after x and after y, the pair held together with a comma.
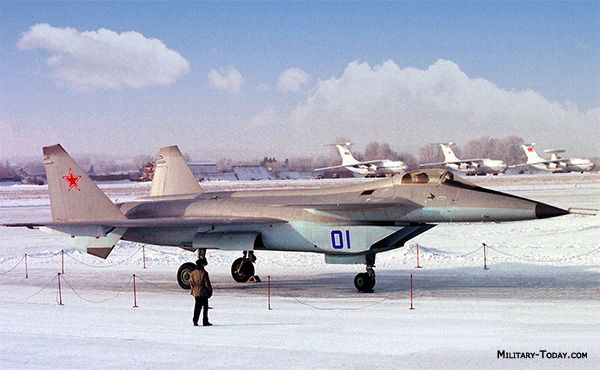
x: 206, y: 323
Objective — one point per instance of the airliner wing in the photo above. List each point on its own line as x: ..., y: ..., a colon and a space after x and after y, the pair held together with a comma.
x: 375, y: 162
x: 332, y: 167
x: 550, y: 161
x: 469, y: 161
x: 340, y: 166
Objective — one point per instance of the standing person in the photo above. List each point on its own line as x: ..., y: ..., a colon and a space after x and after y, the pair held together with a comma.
x: 201, y: 290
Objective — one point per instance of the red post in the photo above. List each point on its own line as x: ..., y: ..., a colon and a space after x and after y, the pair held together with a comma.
x: 134, y: 293
x: 418, y: 266
x: 269, y: 290
x: 484, y: 256
x: 144, y: 255
x: 411, y: 294
x: 26, y: 271
x: 59, y: 290
x: 62, y: 256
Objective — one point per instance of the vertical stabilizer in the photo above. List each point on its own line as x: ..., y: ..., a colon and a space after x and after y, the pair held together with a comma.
x: 172, y: 174
x: 449, y: 155
x: 347, y: 157
x: 73, y: 195
x: 532, y: 155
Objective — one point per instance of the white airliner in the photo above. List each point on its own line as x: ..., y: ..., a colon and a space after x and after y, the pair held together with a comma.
x: 555, y: 164
x: 365, y: 168
x: 477, y: 166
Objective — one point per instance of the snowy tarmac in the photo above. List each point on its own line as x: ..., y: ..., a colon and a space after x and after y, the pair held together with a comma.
x: 540, y: 293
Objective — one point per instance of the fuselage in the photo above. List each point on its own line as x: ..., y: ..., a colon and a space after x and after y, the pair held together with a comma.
x: 565, y: 165
x: 487, y: 166
x: 385, y: 167
x: 417, y: 198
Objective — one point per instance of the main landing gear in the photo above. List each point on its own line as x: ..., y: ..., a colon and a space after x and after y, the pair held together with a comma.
x: 242, y: 268
x: 183, y: 274
x: 365, y: 281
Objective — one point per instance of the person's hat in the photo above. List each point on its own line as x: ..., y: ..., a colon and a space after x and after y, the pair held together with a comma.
x: 201, y: 261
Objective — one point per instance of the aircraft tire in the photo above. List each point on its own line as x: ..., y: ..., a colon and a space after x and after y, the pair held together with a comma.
x: 183, y: 274
x: 364, y: 282
x: 242, y: 269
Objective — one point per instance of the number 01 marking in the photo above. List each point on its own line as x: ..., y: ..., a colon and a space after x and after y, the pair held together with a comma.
x: 337, y: 239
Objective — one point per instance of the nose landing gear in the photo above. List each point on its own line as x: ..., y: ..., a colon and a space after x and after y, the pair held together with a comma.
x: 365, y: 281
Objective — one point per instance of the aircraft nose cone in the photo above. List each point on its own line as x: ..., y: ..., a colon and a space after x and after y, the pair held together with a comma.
x: 545, y: 211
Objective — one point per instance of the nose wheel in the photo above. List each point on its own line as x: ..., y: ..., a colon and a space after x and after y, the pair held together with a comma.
x: 365, y: 281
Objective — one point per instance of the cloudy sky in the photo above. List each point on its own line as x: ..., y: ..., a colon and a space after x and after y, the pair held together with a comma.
x: 281, y: 79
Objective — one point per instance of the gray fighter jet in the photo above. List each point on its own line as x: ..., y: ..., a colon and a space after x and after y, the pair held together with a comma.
x: 349, y: 224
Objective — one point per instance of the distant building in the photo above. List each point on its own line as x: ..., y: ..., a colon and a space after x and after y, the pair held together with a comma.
x: 252, y: 173
x: 203, y: 169
x: 147, y: 172
x: 219, y: 176
x: 296, y: 175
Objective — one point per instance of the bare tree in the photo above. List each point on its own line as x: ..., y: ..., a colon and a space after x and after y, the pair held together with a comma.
x: 140, y: 160
x: 430, y: 153
x: 375, y: 150
x: 507, y: 148
x: 408, y: 159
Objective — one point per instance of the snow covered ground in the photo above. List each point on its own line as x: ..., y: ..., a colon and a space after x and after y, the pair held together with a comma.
x: 541, y: 292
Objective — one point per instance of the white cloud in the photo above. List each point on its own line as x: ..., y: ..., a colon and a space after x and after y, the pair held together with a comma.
x: 292, y: 80
x: 226, y: 79
x: 265, y: 118
x: 105, y: 59
x: 409, y: 107
x: 263, y: 86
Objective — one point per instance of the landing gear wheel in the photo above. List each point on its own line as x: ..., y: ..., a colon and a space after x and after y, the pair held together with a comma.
x: 242, y: 269
x: 364, y: 282
x: 183, y: 274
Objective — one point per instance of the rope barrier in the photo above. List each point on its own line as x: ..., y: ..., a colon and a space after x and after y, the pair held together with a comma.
x: 147, y: 282
x: 43, y: 257
x: 339, y: 308
x: 105, y: 266
x: 14, y: 267
x: 448, y: 253
x: 34, y: 294
x: 93, y: 301
x: 545, y: 260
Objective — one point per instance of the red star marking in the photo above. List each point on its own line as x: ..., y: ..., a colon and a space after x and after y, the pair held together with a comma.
x: 530, y: 149
x: 72, y: 180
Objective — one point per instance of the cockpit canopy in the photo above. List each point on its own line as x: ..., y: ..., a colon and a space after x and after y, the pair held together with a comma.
x: 433, y: 176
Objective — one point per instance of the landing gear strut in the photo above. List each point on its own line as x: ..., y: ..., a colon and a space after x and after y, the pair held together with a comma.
x: 365, y: 281
x: 242, y: 268
x: 183, y: 274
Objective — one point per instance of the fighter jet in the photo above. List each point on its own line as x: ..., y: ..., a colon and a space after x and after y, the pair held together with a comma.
x: 477, y: 166
x: 365, y: 168
x: 348, y: 224
x: 555, y: 164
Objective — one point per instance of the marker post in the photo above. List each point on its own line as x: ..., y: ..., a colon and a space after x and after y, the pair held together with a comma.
x: 411, y: 293
x: 59, y: 291
x: 134, y: 293
x: 485, y: 256
x: 269, y: 291
x: 418, y: 266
